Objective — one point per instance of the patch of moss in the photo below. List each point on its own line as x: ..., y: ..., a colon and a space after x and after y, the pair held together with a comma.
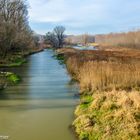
x: 8, y: 78
x: 87, y: 98
x: 85, y: 102
x: 84, y: 136
x: 12, y: 78
x: 14, y: 62
x: 17, y: 63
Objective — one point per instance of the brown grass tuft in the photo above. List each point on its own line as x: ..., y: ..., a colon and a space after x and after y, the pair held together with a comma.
x: 111, y: 115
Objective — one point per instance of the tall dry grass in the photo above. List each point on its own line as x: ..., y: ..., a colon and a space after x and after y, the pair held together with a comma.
x: 110, y: 101
x: 109, y: 75
x: 104, y: 74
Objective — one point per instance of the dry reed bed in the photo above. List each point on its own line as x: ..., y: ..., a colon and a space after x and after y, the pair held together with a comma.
x: 109, y: 75
x: 110, y: 100
x: 101, y: 70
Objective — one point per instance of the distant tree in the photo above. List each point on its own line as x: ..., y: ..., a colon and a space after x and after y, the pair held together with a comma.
x: 36, y: 40
x: 85, y: 39
x: 59, y: 33
x: 52, y: 39
x: 56, y: 38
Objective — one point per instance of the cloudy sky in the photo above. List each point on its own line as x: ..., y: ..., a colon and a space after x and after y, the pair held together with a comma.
x: 84, y: 16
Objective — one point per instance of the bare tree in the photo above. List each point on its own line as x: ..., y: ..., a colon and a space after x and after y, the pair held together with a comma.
x: 52, y: 39
x: 85, y: 39
x: 59, y: 33
x: 15, y: 32
x: 56, y: 38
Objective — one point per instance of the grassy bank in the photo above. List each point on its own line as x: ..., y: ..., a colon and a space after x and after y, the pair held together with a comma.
x: 13, y: 60
x: 8, y: 78
x: 17, y: 58
x: 111, y: 115
x: 110, y: 93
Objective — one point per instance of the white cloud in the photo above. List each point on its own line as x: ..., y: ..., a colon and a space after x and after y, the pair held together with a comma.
x: 84, y: 13
x: 62, y: 10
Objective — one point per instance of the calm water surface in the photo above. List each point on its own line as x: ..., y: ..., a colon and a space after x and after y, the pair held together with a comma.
x: 41, y: 107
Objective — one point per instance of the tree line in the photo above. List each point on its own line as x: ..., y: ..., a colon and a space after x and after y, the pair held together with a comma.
x: 15, y: 32
x: 129, y: 39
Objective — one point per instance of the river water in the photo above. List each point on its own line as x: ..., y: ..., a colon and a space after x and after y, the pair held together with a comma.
x: 84, y: 48
x: 40, y: 107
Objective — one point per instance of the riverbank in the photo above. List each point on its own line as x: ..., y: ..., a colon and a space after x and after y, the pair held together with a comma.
x: 13, y: 60
x: 17, y: 58
x: 8, y: 78
x: 110, y: 93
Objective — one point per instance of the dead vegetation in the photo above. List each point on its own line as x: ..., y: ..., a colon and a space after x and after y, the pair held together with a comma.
x: 105, y: 70
x: 110, y: 93
x: 110, y: 116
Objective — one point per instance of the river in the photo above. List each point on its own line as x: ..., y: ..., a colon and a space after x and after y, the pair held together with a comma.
x: 40, y: 107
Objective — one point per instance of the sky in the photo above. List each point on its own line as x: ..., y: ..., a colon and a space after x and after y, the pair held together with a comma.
x: 84, y: 16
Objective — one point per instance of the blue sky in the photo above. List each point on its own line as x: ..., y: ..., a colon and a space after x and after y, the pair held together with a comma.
x: 84, y: 16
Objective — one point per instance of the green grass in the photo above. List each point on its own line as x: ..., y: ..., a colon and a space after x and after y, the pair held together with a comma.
x: 14, y: 62
x: 8, y: 79
x: 18, y: 62
x: 12, y: 78
x: 16, y: 59
x: 84, y: 136
x: 85, y: 101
